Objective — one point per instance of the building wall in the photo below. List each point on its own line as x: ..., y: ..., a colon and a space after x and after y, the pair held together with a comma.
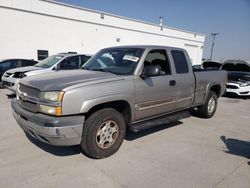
x: 31, y: 25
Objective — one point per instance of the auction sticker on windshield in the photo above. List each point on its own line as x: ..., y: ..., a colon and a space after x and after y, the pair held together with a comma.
x: 131, y: 58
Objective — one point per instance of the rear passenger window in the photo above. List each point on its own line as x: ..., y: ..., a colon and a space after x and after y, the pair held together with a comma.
x: 27, y: 63
x: 8, y: 64
x: 180, y: 61
x: 160, y: 59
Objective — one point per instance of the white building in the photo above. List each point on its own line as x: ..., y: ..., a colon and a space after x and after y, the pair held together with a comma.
x: 31, y: 28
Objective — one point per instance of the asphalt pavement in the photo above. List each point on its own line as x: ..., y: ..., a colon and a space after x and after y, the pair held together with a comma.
x: 193, y: 152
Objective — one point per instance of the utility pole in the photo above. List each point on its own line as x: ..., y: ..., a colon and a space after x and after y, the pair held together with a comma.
x: 212, y: 47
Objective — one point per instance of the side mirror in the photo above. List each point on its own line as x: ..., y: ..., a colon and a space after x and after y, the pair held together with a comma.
x: 151, y: 70
x: 57, y: 67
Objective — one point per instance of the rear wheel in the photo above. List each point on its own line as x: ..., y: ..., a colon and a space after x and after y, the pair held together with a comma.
x: 208, y: 109
x: 103, y: 133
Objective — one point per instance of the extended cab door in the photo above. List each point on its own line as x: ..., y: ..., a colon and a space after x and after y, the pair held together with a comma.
x: 155, y: 95
x: 184, y: 78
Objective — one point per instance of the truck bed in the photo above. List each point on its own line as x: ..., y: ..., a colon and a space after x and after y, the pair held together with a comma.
x: 204, y: 78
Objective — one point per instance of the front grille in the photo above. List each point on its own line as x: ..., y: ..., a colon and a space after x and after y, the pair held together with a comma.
x: 232, y: 87
x: 244, y: 93
x: 4, y: 83
x: 28, y: 105
x: 28, y: 97
x: 29, y: 91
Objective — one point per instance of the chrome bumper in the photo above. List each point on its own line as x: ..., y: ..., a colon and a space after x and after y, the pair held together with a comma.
x: 59, y: 131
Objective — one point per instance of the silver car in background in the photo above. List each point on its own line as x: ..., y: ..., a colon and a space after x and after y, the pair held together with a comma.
x: 61, y: 61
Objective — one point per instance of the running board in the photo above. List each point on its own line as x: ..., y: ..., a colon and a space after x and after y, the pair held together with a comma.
x: 137, y: 127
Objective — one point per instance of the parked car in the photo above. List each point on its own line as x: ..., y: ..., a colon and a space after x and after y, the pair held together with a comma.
x: 61, y: 61
x: 129, y: 87
x: 8, y: 64
x: 211, y: 65
x: 238, y: 77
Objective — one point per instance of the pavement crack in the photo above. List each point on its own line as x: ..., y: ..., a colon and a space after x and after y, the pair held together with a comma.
x: 229, y: 173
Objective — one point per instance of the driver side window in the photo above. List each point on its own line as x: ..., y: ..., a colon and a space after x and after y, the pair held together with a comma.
x: 70, y: 63
x: 158, y: 58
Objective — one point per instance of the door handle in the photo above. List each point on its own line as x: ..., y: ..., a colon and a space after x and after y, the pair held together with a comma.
x: 172, y: 82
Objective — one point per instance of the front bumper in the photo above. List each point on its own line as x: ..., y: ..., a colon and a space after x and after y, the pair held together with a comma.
x: 59, y: 131
x: 10, y: 83
x: 237, y: 89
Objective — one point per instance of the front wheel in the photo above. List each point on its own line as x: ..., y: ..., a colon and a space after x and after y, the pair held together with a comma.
x: 208, y: 109
x: 103, y: 133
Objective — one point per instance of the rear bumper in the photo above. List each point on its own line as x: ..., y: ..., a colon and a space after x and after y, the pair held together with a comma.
x: 59, y: 131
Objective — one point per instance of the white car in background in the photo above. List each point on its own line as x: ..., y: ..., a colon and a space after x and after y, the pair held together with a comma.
x: 238, y: 77
x: 61, y: 61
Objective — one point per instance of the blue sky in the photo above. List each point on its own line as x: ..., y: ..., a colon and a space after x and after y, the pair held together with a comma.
x: 230, y: 18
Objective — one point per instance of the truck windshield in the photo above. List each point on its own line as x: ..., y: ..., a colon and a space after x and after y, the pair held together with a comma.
x: 121, y: 61
x: 49, y: 61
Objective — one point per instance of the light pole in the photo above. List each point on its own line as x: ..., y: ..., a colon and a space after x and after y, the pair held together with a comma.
x: 212, y: 47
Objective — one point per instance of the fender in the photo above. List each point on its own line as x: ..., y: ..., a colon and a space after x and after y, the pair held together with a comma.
x: 90, y: 103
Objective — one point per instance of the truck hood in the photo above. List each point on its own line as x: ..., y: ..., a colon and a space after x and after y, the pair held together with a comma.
x: 24, y: 69
x: 61, y: 80
x: 236, y: 66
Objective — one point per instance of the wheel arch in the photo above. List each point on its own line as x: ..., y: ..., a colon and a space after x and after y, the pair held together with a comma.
x: 121, y: 105
x: 217, y: 89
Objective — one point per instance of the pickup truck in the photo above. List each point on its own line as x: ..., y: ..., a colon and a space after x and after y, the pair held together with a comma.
x: 120, y: 88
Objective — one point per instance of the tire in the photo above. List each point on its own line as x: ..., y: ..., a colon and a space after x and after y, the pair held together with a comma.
x: 208, y: 109
x: 103, y: 133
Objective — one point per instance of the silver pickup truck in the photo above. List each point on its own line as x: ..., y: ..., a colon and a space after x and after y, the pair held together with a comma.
x: 128, y: 87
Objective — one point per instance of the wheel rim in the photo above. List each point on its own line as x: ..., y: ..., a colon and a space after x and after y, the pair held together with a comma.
x: 211, y: 105
x: 107, y: 134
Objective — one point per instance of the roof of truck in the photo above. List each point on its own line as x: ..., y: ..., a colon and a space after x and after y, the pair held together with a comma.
x: 145, y: 46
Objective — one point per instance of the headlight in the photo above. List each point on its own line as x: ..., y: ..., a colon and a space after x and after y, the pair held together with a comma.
x: 19, y: 75
x: 51, y: 102
x: 52, y: 96
x: 22, y: 75
x: 51, y: 110
x: 244, y: 84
